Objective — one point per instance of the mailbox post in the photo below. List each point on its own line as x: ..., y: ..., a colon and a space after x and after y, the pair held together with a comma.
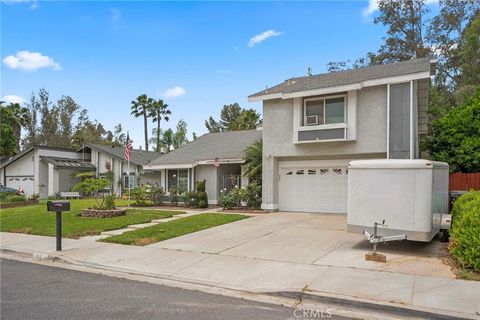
x: 58, y: 207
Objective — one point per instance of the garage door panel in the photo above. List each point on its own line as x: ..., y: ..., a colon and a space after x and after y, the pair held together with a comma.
x: 25, y: 183
x: 313, y: 189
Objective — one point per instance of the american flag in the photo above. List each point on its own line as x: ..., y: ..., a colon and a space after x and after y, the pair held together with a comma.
x: 128, y: 147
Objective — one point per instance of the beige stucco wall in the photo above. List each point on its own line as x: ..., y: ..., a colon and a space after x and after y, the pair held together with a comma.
x: 371, y: 137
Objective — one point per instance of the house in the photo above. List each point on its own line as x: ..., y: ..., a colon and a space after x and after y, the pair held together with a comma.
x: 107, y: 157
x: 314, y: 126
x: 43, y: 170
x: 214, y: 157
x: 47, y: 171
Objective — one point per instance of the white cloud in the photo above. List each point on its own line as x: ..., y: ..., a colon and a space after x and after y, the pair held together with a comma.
x: 33, y: 6
x: 373, y: 6
x: 174, y: 92
x: 13, y: 99
x: 116, y: 14
x: 223, y: 71
x: 263, y: 36
x: 30, y: 61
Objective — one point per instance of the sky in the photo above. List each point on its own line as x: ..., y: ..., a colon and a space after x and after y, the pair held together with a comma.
x: 196, y: 56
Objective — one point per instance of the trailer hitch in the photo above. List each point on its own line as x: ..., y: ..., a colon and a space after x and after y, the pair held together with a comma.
x: 376, y: 238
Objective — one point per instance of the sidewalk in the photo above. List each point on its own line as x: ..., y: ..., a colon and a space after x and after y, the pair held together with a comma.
x: 438, y: 295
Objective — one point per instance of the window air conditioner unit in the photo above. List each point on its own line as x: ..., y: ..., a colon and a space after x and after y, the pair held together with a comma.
x: 311, y: 120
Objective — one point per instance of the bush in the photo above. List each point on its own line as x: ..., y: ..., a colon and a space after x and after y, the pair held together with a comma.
x: 190, y: 199
x: 34, y: 196
x: 3, y: 195
x: 202, y: 198
x: 464, y: 236
x: 156, y: 195
x: 15, y: 198
x: 232, y: 199
x: 174, y: 196
x: 109, y: 203
x: 253, y: 195
x: 140, y: 195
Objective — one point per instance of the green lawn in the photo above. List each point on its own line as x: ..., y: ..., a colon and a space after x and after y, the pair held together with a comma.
x: 37, y: 220
x: 172, y: 229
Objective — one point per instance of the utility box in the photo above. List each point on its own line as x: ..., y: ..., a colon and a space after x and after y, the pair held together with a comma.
x: 56, y: 206
x: 410, y: 195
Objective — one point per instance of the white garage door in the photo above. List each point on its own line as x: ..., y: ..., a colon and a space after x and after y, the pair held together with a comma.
x: 24, y: 183
x: 313, y: 189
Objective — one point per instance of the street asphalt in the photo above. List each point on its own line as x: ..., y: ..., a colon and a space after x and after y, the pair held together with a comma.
x: 32, y: 291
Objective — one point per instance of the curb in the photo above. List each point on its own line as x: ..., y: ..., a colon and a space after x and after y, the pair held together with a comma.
x: 353, y: 304
x: 387, y: 309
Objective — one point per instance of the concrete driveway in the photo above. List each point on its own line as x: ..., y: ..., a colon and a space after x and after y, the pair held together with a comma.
x: 310, y: 238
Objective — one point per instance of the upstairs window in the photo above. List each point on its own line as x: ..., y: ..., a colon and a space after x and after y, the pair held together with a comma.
x: 318, y: 111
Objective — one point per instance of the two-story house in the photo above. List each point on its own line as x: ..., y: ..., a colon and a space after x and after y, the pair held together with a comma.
x: 314, y: 126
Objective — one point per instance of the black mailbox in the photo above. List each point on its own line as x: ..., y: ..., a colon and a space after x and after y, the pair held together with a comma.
x: 56, y: 206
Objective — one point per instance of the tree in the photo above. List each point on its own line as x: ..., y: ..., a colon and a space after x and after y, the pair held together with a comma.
x: 455, y: 137
x: 66, y: 109
x: 180, y: 136
x: 158, y: 112
x: 168, y: 139
x: 233, y: 118
x: 253, y: 161
x: 119, y: 137
x: 12, y: 118
x: 142, y: 107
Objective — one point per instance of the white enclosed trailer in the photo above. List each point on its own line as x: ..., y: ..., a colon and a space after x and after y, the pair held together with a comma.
x: 411, y: 196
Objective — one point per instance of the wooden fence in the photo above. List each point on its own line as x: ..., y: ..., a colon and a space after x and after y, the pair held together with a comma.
x: 464, y: 181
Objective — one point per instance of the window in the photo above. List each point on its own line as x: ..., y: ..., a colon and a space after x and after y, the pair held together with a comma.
x: 300, y: 172
x: 312, y: 171
x: 129, y: 181
x: 178, y: 178
x: 320, y: 111
x: 399, y: 122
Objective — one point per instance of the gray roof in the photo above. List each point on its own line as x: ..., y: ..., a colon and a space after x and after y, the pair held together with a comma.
x: 6, y: 161
x: 138, y: 157
x: 347, y: 77
x: 221, y: 145
x: 68, y: 163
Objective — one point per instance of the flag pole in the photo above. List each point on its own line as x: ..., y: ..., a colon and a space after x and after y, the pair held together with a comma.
x: 129, y: 184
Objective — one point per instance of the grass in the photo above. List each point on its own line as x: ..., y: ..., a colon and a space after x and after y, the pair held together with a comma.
x: 37, y: 220
x: 174, y: 228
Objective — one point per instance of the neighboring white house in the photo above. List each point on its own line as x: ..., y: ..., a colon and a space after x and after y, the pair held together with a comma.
x: 47, y: 171
x: 214, y: 157
x: 43, y: 170
x: 314, y: 126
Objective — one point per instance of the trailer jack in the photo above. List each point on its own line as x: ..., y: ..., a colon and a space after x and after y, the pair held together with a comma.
x: 375, y: 239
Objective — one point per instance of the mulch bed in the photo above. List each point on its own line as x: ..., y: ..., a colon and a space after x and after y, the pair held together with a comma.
x: 92, y: 213
x: 245, y: 210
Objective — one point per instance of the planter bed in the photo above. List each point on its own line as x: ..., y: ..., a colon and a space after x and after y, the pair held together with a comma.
x: 244, y: 210
x: 93, y: 213
x: 18, y: 204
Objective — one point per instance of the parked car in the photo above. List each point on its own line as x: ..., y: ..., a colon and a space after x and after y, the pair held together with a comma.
x: 4, y: 189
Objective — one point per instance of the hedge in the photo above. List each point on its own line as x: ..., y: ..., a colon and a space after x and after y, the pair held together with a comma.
x: 465, y: 233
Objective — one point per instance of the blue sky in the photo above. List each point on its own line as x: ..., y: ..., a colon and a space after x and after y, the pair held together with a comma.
x: 104, y: 54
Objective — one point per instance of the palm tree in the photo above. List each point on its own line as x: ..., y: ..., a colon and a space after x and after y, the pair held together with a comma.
x: 253, y: 161
x: 159, y: 111
x: 20, y: 119
x: 142, y: 107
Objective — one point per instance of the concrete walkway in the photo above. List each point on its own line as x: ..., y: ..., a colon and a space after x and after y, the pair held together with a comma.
x: 186, y: 213
x: 243, y: 256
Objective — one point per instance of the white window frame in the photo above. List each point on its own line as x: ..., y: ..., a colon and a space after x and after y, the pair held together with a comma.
x: 132, y: 174
x: 177, y: 170
x: 326, y: 125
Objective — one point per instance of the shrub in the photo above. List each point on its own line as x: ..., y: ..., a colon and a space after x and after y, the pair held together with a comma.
x: 109, y: 203
x: 140, y: 195
x: 156, y: 195
x: 3, y: 195
x: 464, y: 236
x: 232, y: 199
x: 202, y: 198
x: 15, y: 198
x: 253, y: 195
x: 34, y: 196
x: 190, y: 199
x: 174, y: 196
